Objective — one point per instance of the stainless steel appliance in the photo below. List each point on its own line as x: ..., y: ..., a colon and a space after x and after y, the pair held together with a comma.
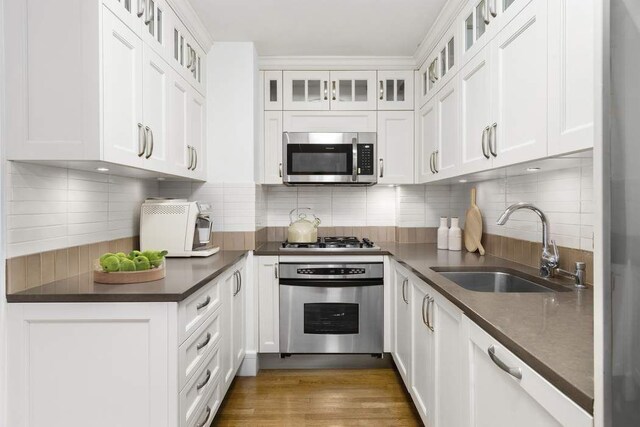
x: 331, y: 308
x: 329, y: 244
x: 329, y: 158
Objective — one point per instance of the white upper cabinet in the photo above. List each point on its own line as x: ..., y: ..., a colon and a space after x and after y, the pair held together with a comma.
x: 324, y: 90
x: 186, y: 55
x: 446, y: 158
x: 124, y: 132
x: 519, y: 87
x: 439, y: 68
x: 395, y: 90
x: 272, y: 147
x: 395, y: 147
x: 305, y: 90
x: 101, y: 87
x: 426, y: 140
x: 272, y: 90
x: 573, y: 94
x: 475, y: 114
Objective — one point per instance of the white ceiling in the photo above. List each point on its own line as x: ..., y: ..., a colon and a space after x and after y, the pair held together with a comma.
x: 321, y: 27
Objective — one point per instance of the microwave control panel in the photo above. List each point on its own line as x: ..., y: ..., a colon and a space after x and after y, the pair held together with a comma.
x: 366, y: 162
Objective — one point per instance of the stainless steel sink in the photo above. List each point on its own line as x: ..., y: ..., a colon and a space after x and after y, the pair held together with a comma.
x: 497, y: 281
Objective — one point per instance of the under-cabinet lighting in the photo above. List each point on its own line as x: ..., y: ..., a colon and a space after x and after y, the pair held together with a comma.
x: 102, y: 169
x: 462, y: 181
x: 533, y: 169
x: 160, y: 178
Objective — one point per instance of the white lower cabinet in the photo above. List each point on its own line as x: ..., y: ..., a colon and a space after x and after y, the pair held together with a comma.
x: 156, y: 364
x: 268, y: 304
x: 445, y: 361
x: 502, y: 399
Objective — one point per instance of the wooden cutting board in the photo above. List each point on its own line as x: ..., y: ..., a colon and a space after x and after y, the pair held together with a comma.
x: 473, y: 226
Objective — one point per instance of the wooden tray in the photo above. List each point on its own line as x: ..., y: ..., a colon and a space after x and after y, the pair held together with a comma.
x: 124, y: 277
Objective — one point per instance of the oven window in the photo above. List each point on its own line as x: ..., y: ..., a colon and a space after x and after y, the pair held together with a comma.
x: 331, y: 318
x: 319, y: 159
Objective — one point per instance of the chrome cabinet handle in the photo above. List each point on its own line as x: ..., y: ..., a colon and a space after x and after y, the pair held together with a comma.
x: 204, y: 343
x: 485, y: 148
x: 235, y: 276
x: 190, y: 157
x: 404, y: 284
x: 142, y: 140
x: 326, y: 90
x: 431, y: 163
x: 485, y: 12
x: 280, y: 170
x: 149, y: 15
x: 430, y: 301
x: 381, y: 167
x: 514, y: 372
x: 493, y: 145
x: 141, y: 7
x: 275, y: 270
x: 195, y: 158
x: 204, y: 383
x: 207, y: 411
x: 149, y: 136
x: 424, y: 319
x: 239, y: 281
x: 381, y: 90
x: 189, y: 57
x: 333, y: 90
x: 493, y: 10
x: 435, y: 161
x: 203, y: 304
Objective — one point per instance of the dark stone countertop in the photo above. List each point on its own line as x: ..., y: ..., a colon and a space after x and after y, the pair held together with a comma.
x: 551, y: 332
x: 184, y: 277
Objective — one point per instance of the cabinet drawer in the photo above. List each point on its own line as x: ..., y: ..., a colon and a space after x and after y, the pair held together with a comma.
x: 208, y: 410
x: 198, y: 388
x: 193, y: 311
x: 198, y: 347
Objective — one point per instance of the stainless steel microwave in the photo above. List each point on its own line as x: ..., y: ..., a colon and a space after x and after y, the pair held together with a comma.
x: 346, y: 158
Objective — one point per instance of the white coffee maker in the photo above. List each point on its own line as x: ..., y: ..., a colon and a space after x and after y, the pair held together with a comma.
x: 178, y: 226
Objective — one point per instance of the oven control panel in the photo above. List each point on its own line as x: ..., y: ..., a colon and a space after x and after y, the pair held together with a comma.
x: 331, y: 271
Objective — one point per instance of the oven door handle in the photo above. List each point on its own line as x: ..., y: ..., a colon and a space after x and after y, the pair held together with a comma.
x: 331, y: 283
x: 354, y: 176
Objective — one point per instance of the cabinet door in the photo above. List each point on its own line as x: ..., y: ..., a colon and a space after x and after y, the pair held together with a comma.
x: 178, y: 104
x: 272, y: 90
x: 156, y: 83
x: 123, y: 130
x: 239, y: 315
x: 572, y: 91
x: 395, y: 147
x: 426, y: 134
x: 447, y: 155
x: 273, y: 147
x: 519, y: 88
x: 395, y: 90
x: 422, y: 354
x: 477, y: 31
x: 446, y: 319
x: 154, y: 29
x: 501, y: 399
x: 228, y: 290
x: 196, y: 134
x: 268, y: 305
x: 353, y: 90
x: 131, y: 12
x: 402, y: 333
x: 475, y: 114
x: 305, y: 90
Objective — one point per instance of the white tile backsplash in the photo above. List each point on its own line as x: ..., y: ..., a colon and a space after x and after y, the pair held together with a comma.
x: 52, y: 208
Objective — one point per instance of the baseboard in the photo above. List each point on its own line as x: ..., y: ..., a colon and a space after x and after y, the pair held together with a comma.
x: 249, y: 366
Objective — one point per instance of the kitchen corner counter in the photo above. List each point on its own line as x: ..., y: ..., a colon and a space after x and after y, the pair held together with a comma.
x: 551, y: 332
x: 184, y: 277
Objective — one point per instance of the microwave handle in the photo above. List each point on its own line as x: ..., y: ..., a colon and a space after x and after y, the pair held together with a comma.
x: 354, y: 176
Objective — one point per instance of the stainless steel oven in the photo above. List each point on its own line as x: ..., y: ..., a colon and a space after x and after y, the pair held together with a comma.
x: 331, y: 308
x: 329, y: 158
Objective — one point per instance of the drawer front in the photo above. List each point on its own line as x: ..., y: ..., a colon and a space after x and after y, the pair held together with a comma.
x: 193, y: 311
x: 198, y: 388
x: 207, y: 411
x: 198, y: 346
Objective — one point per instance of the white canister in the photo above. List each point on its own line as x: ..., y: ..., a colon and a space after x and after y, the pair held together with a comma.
x: 455, y: 235
x: 443, y: 233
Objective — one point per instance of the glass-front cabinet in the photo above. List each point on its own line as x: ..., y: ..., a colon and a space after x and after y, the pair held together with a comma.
x: 439, y: 68
x: 324, y: 90
x: 272, y: 90
x: 187, y: 55
x: 395, y: 90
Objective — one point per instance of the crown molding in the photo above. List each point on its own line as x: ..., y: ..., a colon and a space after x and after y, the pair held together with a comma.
x: 191, y: 20
x: 334, y: 63
x: 445, y: 19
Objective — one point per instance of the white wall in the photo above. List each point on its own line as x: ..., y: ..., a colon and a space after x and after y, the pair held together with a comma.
x: 51, y: 208
x: 232, y: 101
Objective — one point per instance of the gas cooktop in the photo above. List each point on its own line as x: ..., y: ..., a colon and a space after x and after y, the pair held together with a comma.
x: 340, y: 243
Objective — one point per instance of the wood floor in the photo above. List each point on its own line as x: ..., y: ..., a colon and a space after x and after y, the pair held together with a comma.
x: 327, y: 397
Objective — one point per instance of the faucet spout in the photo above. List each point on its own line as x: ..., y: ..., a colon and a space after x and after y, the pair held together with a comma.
x: 549, y: 260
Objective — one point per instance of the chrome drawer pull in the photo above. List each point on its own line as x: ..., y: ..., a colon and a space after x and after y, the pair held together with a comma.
x: 204, y: 303
x: 424, y: 319
x: 204, y: 343
x: 204, y: 383
x: 514, y: 372
x: 207, y: 411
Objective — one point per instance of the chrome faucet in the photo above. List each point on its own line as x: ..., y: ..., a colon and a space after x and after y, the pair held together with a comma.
x: 549, y: 260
